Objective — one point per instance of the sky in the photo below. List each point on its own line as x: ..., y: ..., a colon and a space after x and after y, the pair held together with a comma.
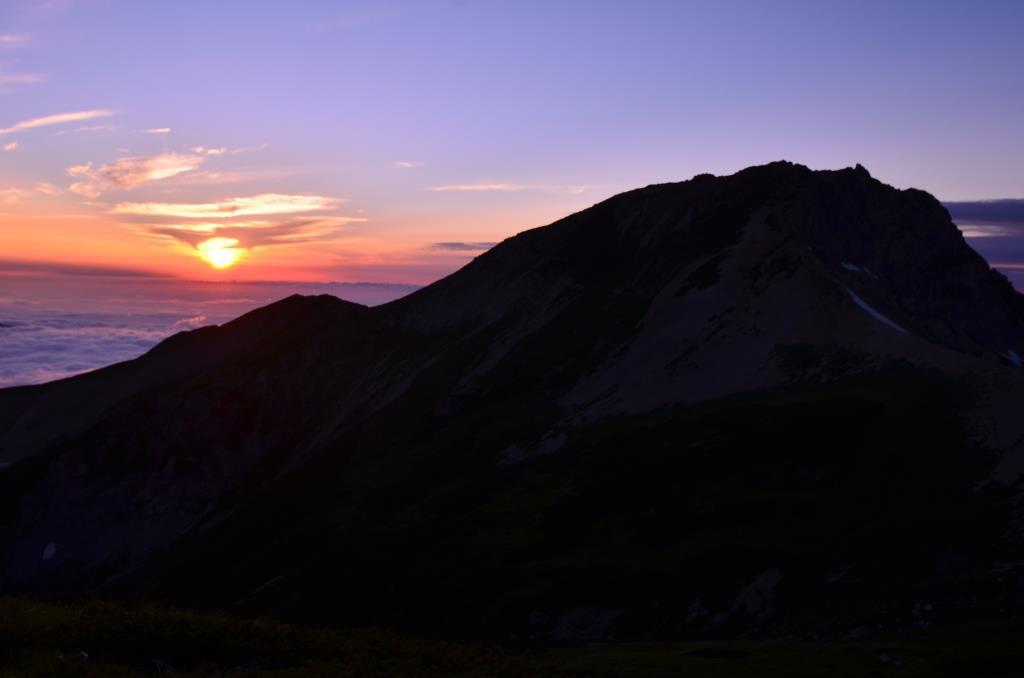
x: 392, y: 141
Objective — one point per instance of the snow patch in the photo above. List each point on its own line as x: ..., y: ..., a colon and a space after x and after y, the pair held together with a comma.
x: 851, y: 267
x: 873, y: 313
x: 1014, y: 357
x: 49, y: 551
x: 552, y: 442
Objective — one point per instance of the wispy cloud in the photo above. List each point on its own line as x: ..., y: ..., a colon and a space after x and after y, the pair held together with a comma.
x: 249, y: 149
x: 10, y: 146
x: 476, y: 187
x: 57, y: 119
x: 47, y: 188
x: 463, y: 246
x: 407, y: 164
x: 159, y: 130
x: 1007, y: 213
x: 203, y: 150
x: 222, y: 177
x: 130, y: 172
x: 10, y: 81
x: 13, y: 40
x: 995, y: 229
x: 989, y: 231
x: 264, y: 204
x: 11, y: 196
x: 17, y: 266
x: 252, y: 234
x: 97, y: 128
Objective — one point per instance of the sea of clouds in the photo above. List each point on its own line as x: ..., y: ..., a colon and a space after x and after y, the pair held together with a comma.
x: 56, y: 327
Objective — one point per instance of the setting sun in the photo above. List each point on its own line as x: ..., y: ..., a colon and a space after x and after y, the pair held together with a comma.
x: 220, y: 252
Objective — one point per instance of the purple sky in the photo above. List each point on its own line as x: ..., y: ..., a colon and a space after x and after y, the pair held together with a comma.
x: 408, y: 123
x: 391, y: 141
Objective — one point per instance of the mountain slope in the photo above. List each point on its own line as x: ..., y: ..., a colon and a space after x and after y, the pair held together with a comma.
x: 730, y: 403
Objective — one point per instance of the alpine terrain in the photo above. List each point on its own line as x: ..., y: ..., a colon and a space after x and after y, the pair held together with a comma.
x: 779, y: 403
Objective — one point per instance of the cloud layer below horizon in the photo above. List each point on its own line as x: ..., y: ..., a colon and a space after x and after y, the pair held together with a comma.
x: 995, y: 229
x: 50, y: 330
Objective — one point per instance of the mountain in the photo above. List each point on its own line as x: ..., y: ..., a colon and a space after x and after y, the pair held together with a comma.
x: 779, y: 402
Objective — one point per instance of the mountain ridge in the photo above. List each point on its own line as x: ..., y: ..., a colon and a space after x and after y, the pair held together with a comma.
x: 458, y: 447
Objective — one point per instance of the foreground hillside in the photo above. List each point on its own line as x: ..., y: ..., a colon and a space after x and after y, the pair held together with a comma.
x: 782, y: 403
x: 100, y: 639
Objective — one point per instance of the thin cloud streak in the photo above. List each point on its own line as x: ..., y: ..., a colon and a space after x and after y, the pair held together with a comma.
x: 57, y: 119
x: 264, y: 204
x: 159, y: 130
x: 24, y: 267
x: 253, y: 234
x: 250, y: 149
x: 97, y: 128
x: 11, y: 196
x: 126, y: 173
x: 13, y: 41
x: 1008, y: 212
x: 989, y: 231
x: 8, y: 81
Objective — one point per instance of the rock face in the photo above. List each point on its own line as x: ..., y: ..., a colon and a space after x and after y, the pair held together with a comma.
x: 783, y: 400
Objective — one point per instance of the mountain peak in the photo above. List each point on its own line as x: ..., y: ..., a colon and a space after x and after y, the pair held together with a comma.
x: 614, y: 397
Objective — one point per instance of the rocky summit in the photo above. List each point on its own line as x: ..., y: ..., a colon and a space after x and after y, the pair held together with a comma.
x: 781, y: 402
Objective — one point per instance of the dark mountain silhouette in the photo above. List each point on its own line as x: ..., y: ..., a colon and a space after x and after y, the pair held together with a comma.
x: 782, y: 401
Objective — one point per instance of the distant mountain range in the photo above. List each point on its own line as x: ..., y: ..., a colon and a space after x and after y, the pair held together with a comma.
x: 779, y: 402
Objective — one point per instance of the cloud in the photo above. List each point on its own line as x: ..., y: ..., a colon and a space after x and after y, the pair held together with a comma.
x: 126, y: 173
x: 97, y: 128
x: 406, y: 164
x: 11, y: 196
x: 47, y: 188
x: 17, y: 266
x: 995, y: 229
x: 119, y: 319
x: 249, y: 149
x: 1007, y: 213
x: 159, y: 130
x: 8, y: 147
x: 476, y: 187
x: 253, y: 234
x: 463, y: 246
x: 203, y: 150
x: 194, y: 321
x: 264, y: 204
x: 208, y: 178
x: 988, y: 231
x: 40, y: 348
x: 57, y: 119
x: 13, y: 41
x: 9, y: 81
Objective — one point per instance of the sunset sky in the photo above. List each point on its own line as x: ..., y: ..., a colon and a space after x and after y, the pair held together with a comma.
x: 392, y: 141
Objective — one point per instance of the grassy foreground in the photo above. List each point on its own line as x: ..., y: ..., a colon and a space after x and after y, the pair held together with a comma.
x: 103, y: 639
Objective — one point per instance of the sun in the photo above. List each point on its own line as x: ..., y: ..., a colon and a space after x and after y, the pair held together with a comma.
x: 220, y: 252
